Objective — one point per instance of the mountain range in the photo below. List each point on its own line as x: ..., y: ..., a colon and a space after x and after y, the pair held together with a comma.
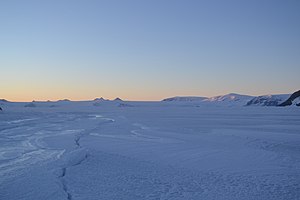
x: 243, y: 100
x: 231, y: 99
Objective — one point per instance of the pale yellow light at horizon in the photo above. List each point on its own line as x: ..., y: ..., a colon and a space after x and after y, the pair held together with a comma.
x: 30, y: 92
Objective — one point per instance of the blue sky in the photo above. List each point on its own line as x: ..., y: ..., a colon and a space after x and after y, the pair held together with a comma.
x: 147, y: 50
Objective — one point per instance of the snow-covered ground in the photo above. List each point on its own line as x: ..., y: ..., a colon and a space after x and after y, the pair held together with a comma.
x: 148, y: 150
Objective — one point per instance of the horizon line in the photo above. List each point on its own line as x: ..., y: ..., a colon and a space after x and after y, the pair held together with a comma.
x: 125, y: 99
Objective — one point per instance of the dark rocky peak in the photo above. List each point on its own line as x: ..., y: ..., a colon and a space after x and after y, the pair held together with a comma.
x: 290, y: 100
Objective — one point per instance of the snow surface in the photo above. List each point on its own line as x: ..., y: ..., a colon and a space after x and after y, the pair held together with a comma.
x: 148, y: 150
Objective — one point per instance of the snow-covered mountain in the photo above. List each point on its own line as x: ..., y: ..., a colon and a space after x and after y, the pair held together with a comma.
x: 231, y: 98
x: 99, y: 99
x: 118, y: 99
x: 228, y: 99
x: 185, y: 99
x: 3, y: 101
x: 294, y: 99
x: 268, y: 100
x: 106, y: 102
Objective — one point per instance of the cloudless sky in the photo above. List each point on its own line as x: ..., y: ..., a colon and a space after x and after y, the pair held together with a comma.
x: 147, y: 49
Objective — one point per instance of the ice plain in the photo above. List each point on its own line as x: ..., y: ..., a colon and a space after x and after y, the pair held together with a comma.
x: 148, y: 150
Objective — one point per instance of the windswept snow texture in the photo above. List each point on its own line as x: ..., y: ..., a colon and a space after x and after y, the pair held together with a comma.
x: 149, y: 151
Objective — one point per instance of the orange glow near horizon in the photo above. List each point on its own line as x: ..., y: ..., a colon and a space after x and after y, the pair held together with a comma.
x: 38, y: 94
x: 80, y: 92
x: 29, y: 98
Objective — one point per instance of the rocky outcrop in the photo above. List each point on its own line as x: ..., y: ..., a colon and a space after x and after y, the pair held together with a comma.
x: 118, y: 99
x: 290, y: 100
x: 99, y: 99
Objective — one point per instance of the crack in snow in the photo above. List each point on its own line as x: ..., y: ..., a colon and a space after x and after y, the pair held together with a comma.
x: 83, y: 158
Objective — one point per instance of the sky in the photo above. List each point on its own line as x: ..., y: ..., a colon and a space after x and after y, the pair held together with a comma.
x: 147, y: 49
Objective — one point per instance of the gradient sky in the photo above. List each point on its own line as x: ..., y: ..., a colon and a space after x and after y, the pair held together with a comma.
x: 147, y: 49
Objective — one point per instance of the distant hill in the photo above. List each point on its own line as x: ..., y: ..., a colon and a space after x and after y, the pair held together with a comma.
x: 185, y: 99
x: 64, y: 100
x: 294, y: 97
x: 3, y: 101
x: 118, y: 99
x: 231, y: 98
x: 99, y: 99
